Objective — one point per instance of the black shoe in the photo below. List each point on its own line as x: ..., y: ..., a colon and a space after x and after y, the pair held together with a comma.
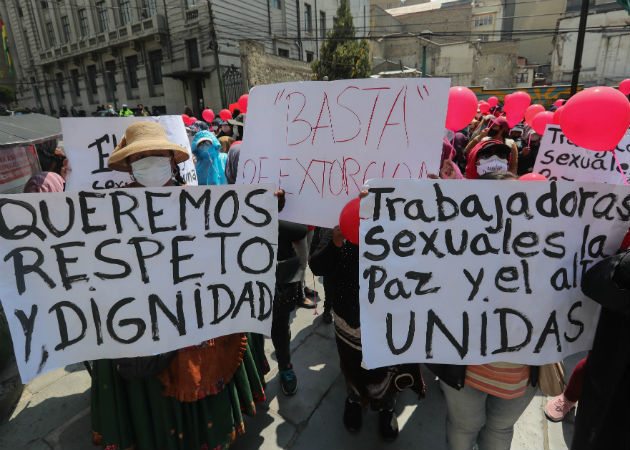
x: 388, y: 425
x: 353, y: 416
x: 308, y: 292
x: 327, y: 316
x: 288, y: 380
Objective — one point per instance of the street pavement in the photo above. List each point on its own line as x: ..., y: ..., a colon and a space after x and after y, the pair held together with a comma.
x: 54, y: 410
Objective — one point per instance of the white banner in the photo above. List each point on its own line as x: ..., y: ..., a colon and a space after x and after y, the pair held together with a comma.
x: 320, y: 141
x: 134, y: 272
x: 89, y: 142
x: 472, y: 272
x: 560, y: 159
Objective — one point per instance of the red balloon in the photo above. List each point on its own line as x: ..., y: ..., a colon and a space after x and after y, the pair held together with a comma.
x: 242, y: 103
x: 596, y: 118
x: 624, y: 86
x: 191, y: 120
x: 349, y: 221
x: 541, y: 121
x: 493, y: 101
x: 225, y: 114
x: 484, y: 107
x: 208, y: 115
x: 531, y: 112
x: 185, y: 118
x: 232, y: 107
x: 517, y: 102
x: 556, y: 116
x: 559, y: 102
x: 462, y: 108
x: 533, y: 177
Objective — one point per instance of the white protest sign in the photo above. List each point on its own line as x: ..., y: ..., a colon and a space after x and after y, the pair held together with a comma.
x: 134, y: 272
x: 560, y: 159
x: 472, y: 272
x: 89, y: 142
x: 320, y: 141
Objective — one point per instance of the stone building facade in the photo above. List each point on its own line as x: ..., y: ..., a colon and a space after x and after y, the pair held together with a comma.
x: 159, y: 53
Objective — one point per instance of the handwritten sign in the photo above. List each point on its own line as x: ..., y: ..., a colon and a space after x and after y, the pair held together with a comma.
x: 560, y: 159
x: 89, y: 142
x: 134, y: 272
x: 472, y: 272
x: 320, y: 141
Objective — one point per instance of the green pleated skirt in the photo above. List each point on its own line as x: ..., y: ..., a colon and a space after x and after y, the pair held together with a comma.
x: 133, y: 414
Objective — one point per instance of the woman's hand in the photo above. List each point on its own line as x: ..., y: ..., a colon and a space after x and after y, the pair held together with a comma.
x: 281, y: 199
x: 337, y: 237
x: 363, y: 194
x: 65, y: 169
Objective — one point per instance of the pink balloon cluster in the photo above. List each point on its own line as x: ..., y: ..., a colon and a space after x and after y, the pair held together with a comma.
x: 515, y: 106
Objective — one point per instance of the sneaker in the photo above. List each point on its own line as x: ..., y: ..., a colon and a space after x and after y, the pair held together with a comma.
x: 288, y: 381
x: 558, y: 407
x: 327, y: 316
x: 388, y: 425
x: 352, y: 416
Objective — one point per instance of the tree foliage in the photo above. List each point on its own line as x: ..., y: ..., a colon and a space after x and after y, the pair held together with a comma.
x: 7, y: 95
x: 342, y: 55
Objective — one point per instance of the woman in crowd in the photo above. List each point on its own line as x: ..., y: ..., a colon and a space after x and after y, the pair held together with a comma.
x: 497, y: 129
x: 192, y: 398
x: 210, y: 161
x: 338, y: 260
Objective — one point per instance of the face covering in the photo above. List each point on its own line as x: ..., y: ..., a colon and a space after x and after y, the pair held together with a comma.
x: 492, y: 164
x: 153, y: 171
x: 492, y: 132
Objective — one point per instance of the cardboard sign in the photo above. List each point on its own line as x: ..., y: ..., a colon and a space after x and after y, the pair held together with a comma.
x: 560, y: 159
x: 134, y: 272
x: 15, y: 169
x: 320, y: 141
x: 472, y: 272
x: 88, y: 143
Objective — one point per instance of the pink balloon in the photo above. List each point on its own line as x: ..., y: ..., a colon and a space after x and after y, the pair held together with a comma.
x: 484, y: 107
x: 493, y: 101
x: 242, y: 103
x: 624, y: 86
x: 556, y: 116
x: 349, y: 221
x: 208, y: 115
x: 596, y: 118
x: 541, y: 121
x: 185, y: 118
x: 462, y: 108
x: 517, y: 102
x: 513, y: 119
x: 559, y: 102
x: 225, y: 114
x: 533, y: 177
x: 531, y: 112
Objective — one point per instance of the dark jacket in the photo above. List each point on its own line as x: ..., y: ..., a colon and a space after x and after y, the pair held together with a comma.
x: 603, y: 415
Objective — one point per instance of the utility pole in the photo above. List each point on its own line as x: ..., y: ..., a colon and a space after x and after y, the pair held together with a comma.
x: 299, y: 28
x: 214, y: 45
x: 579, y: 46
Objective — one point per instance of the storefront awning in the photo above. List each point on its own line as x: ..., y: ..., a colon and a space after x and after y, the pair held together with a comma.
x: 28, y: 129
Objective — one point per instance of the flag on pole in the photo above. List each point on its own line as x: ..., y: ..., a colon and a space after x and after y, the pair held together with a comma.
x: 5, y: 46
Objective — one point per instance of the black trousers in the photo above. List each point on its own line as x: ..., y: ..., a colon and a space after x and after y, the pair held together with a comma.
x: 283, y: 304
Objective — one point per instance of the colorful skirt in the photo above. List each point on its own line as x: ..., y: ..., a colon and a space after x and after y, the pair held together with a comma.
x: 134, y: 414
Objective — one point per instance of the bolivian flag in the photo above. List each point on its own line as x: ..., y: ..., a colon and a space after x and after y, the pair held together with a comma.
x: 5, y: 45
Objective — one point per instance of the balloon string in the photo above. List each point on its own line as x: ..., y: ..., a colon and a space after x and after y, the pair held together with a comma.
x: 529, y: 139
x: 315, y: 296
x: 619, y: 166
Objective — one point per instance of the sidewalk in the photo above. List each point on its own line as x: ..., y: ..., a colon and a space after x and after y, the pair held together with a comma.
x: 54, y: 410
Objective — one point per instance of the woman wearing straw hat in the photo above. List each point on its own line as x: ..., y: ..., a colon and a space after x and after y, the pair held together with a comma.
x: 192, y: 398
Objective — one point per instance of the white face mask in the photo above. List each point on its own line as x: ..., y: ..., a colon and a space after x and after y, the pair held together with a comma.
x: 153, y: 171
x: 491, y: 164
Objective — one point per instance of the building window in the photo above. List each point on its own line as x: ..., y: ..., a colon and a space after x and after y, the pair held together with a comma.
x: 308, y: 18
x: 101, y: 16
x: 110, y: 78
x: 83, y: 23
x: 60, y: 92
x: 276, y: 4
x: 65, y: 27
x: 44, y: 4
x: 91, y: 79
x: 485, y: 20
x: 309, y: 56
x: 283, y: 52
x: 522, y: 77
x: 148, y: 8
x: 322, y: 24
x: 124, y: 6
x: 192, y: 54
x: 20, y: 12
x: 132, y: 70
x: 51, y: 34
x: 74, y: 77
x: 191, y: 3
x: 155, y: 62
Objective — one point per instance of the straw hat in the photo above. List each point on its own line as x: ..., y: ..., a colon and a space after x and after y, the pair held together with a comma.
x: 142, y: 137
